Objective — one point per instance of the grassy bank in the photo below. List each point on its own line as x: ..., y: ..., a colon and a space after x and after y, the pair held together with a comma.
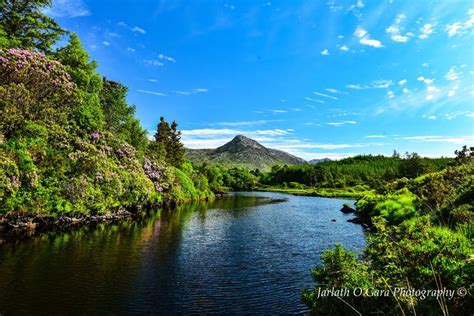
x: 352, y: 193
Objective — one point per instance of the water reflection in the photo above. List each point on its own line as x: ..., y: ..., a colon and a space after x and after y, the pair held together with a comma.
x: 249, y: 252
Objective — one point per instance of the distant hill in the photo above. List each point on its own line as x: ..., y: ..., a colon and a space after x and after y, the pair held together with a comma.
x: 313, y: 161
x: 243, y: 152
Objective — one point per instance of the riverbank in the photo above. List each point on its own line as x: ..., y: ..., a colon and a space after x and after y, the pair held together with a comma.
x: 317, y: 192
x: 19, y: 226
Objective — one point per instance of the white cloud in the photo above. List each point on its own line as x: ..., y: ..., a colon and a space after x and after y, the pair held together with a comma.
x: 137, y: 29
x: 365, y: 39
x: 400, y: 38
x: 395, y: 30
x: 152, y: 92
x: 325, y: 52
x: 375, y: 136
x: 461, y: 28
x: 247, y: 123
x: 425, y: 80
x: 340, y: 37
x: 381, y: 84
x: 131, y: 50
x: 402, y: 82
x: 432, y: 117
x: 442, y: 139
x: 325, y: 95
x: 452, y: 74
x: 406, y: 91
x: 153, y: 80
x: 426, y: 30
x: 106, y: 43
x: 279, y: 111
x: 371, y: 42
x: 168, y: 58
x: 471, y: 114
x: 335, y: 91
x: 67, y: 9
x: 194, y: 91
x: 344, y: 48
x: 453, y: 29
x: 355, y: 86
x: 341, y: 123
x: 313, y: 100
x: 390, y: 94
x: 154, y: 62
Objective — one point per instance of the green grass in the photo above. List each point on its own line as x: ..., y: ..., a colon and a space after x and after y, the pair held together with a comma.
x: 321, y: 192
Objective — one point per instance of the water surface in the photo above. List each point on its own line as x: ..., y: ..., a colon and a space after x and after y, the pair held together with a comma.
x: 248, y: 253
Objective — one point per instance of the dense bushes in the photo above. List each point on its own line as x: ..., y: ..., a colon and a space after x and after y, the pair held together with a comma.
x: 421, y: 239
x: 69, y: 142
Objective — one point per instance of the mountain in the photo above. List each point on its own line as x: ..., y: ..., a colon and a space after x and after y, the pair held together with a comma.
x: 313, y: 161
x: 243, y: 152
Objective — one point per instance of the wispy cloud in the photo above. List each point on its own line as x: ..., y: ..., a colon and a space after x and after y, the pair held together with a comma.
x: 335, y: 91
x: 154, y: 62
x: 375, y: 136
x: 364, y: 38
x: 337, y: 124
x: 168, y: 58
x: 152, y: 92
x: 461, y: 28
x: 137, y: 29
x: 441, y: 139
x: 325, y: 52
x: 325, y: 95
x: 279, y: 111
x: 246, y: 123
x: 376, y: 84
x: 67, y: 9
x: 313, y: 100
x: 106, y: 43
x: 190, y: 92
x: 426, y: 30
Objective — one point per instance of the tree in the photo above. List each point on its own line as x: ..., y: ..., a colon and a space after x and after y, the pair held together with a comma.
x: 412, y: 166
x: 464, y: 155
x: 119, y: 116
x: 175, y: 152
x: 25, y: 25
x: 88, y: 112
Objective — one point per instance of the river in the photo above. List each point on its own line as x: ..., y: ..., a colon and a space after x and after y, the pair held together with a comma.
x: 247, y: 253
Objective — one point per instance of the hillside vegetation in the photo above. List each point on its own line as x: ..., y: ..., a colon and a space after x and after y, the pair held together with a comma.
x: 421, y: 239
x: 69, y: 141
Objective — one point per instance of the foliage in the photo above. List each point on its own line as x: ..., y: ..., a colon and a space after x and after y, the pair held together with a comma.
x: 421, y: 239
x: 23, y: 24
x: 69, y: 142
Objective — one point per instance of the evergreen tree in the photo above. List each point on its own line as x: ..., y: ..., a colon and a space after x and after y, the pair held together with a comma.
x: 162, y: 139
x: 119, y: 115
x: 88, y: 112
x: 176, y: 150
x: 25, y: 26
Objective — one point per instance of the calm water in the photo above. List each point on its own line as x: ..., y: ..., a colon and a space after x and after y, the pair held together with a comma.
x: 249, y: 253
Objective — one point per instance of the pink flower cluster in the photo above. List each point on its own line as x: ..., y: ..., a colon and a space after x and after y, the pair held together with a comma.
x: 155, y: 173
x: 14, y: 182
x: 95, y: 136
x: 42, y: 76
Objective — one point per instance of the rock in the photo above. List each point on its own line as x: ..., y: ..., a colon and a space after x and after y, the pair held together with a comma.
x: 356, y: 220
x: 346, y: 209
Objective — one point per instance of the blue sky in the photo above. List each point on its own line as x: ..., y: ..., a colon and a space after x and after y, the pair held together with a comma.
x: 315, y: 78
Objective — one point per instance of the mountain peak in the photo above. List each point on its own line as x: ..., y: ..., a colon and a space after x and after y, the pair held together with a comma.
x: 244, y: 151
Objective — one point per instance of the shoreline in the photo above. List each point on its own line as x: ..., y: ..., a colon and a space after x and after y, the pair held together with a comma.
x: 24, y: 226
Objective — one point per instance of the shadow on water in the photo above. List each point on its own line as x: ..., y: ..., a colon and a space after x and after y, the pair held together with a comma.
x: 245, y: 252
